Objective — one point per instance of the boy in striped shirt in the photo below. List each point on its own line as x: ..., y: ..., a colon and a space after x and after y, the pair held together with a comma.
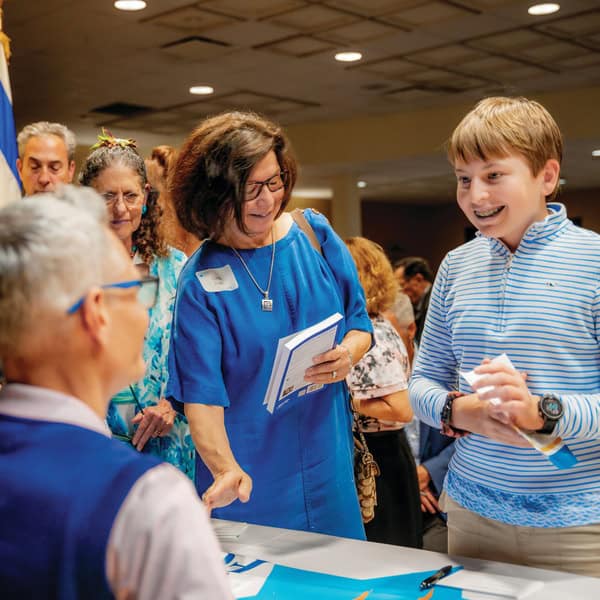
x: 529, y: 286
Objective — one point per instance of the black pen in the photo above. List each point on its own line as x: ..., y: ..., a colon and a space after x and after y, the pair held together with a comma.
x: 433, y: 579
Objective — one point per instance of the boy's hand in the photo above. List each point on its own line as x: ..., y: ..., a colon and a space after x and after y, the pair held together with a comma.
x: 473, y: 414
x: 512, y: 403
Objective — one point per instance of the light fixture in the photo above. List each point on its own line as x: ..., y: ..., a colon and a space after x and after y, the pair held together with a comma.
x: 562, y: 181
x: 547, y: 8
x: 348, y: 56
x: 595, y: 152
x: 130, y: 4
x: 202, y: 90
x: 361, y: 184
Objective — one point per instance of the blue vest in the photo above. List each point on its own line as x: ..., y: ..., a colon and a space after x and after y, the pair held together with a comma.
x: 61, y: 487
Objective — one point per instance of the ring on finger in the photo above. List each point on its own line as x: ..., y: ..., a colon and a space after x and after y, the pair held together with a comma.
x: 333, y: 374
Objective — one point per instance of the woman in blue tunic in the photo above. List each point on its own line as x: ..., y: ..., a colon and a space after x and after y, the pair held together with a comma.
x: 256, y: 279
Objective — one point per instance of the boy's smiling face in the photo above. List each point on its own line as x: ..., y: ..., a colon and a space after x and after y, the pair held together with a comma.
x: 501, y: 197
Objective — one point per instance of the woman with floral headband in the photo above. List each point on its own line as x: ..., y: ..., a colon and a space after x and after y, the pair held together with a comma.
x: 139, y: 414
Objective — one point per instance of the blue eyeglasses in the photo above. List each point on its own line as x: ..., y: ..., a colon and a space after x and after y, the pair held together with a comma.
x: 147, y: 292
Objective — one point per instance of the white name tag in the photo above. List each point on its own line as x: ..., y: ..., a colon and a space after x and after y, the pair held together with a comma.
x: 221, y: 279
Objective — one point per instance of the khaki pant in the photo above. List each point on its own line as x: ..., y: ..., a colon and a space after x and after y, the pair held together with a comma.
x: 571, y: 549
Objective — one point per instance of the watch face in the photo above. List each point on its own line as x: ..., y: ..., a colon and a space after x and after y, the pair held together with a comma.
x: 551, y: 407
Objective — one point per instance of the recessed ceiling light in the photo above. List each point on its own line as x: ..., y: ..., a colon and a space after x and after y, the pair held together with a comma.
x: 547, y: 8
x: 202, y: 90
x: 130, y: 4
x: 348, y: 56
x: 595, y: 152
x: 361, y: 184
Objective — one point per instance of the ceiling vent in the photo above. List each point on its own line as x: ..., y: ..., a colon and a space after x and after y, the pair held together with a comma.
x: 122, y: 109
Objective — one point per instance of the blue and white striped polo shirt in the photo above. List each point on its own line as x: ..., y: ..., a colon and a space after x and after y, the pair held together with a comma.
x: 540, y: 305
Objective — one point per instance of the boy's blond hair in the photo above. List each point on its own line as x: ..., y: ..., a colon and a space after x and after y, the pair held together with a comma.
x: 501, y: 126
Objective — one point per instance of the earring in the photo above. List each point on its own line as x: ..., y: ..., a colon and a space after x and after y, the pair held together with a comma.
x: 144, y: 210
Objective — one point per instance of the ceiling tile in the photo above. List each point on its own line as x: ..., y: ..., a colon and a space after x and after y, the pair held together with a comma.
x: 313, y: 18
x: 255, y: 9
x: 281, y: 106
x: 299, y: 45
x: 426, y: 13
x: 190, y: 18
x: 499, y: 68
x: 396, y: 67
x: 577, y: 26
x: 446, y: 55
x: 511, y: 41
x: 553, y: 51
x: 198, y: 110
x: 373, y: 8
x: 580, y: 62
x: 196, y: 49
x: 360, y: 31
x: 484, y: 5
x: 411, y: 94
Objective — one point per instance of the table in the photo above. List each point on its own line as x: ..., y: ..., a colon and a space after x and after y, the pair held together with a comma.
x: 353, y: 558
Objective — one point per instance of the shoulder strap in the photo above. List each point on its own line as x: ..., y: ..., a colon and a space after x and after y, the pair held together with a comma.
x: 300, y: 219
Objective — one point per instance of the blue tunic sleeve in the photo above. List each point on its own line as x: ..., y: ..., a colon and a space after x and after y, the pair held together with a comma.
x: 344, y: 271
x: 196, y: 347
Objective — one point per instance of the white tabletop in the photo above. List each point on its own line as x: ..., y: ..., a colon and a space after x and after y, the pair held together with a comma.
x: 364, y: 560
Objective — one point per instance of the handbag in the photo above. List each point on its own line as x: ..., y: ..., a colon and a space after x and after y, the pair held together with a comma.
x: 365, y: 471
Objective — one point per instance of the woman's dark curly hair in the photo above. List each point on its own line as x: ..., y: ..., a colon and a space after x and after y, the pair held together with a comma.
x: 208, y: 180
x: 147, y: 238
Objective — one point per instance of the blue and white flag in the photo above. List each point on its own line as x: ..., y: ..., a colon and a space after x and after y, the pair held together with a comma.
x: 10, y: 188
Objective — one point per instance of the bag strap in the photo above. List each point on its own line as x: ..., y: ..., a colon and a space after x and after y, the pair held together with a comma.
x: 300, y: 219
x: 361, y: 438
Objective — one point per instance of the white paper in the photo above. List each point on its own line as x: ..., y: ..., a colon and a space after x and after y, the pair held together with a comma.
x: 294, y: 355
x: 471, y: 377
x: 227, y: 531
x: 478, y: 585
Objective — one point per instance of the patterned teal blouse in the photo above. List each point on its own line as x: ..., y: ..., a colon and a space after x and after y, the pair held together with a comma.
x: 177, y: 447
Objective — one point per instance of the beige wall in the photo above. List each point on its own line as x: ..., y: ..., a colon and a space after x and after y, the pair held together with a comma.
x: 431, y: 231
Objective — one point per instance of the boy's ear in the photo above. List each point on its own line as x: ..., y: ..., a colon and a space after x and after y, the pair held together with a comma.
x: 551, y: 173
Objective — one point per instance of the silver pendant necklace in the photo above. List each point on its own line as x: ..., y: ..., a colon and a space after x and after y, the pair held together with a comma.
x: 266, y: 303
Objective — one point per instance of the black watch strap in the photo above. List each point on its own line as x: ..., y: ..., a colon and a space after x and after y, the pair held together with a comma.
x: 446, y: 417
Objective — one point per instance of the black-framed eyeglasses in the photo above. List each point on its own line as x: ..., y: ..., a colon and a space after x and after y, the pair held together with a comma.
x: 146, y: 295
x: 275, y: 183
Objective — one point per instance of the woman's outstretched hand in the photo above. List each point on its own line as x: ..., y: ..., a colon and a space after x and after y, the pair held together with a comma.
x: 228, y: 487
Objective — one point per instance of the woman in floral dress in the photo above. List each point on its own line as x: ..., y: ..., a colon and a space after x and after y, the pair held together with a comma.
x: 139, y: 414
x: 378, y: 384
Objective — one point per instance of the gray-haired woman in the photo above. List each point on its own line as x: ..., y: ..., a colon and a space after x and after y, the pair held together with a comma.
x: 140, y: 414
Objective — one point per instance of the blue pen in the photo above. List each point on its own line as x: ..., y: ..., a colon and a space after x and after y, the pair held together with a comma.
x: 433, y: 579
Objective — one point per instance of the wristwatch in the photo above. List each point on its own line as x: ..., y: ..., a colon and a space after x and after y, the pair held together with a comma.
x: 551, y: 410
x: 446, y: 417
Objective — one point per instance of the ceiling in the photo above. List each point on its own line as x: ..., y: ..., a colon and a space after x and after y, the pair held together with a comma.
x: 86, y: 64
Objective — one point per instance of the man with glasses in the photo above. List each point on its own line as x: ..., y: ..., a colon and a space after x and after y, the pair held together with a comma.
x: 82, y: 515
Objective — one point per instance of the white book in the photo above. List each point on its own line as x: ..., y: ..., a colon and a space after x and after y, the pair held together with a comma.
x: 294, y: 355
